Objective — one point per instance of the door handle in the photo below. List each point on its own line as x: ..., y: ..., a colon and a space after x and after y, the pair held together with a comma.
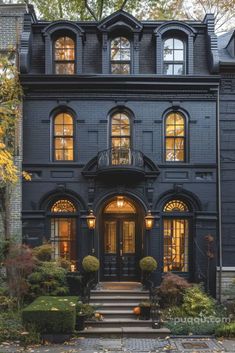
x: 120, y: 252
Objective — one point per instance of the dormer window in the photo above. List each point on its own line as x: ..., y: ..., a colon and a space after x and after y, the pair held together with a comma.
x: 64, y: 56
x: 174, y: 57
x: 120, y: 56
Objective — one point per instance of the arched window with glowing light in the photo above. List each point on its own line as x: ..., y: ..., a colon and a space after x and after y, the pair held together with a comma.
x: 176, y: 236
x: 174, y: 57
x: 64, y: 56
x: 63, y: 136
x: 175, y: 138
x: 120, y: 138
x: 63, y: 229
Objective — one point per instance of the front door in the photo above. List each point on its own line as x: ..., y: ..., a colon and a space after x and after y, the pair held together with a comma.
x: 120, y: 248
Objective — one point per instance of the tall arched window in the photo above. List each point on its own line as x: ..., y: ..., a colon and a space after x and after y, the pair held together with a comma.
x: 63, y: 135
x: 176, y: 236
x: 64, y: 56
x: 120, y: 139
x: 120, y: 56
x: 175, y: 135
x: 63, y: 230
x: 174, y: 57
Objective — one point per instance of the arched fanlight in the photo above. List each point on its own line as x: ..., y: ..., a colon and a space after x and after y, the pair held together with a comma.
x: 91, y: 220
x: 149, y: 220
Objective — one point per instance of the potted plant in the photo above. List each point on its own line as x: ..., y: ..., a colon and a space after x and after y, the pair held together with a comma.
x: 147, y: 264
x: 83, y: 312
x: 145, y: 309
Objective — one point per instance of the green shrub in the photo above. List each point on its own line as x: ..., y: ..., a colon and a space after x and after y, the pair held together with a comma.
x: 197, y: 303
x: 226, y: 330
x: 172, y: 289
x: 7, y: 303
x: 48, y: 279
x: 148, y: 264
x: 85, y: 309
x: 75, y: 284
x: 196, y: 328
x: 90, y: 264
x: 51, y: 314
x: 43, y: 252
x: 10, y: 326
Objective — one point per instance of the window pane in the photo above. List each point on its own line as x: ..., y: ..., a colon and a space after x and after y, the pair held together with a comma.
x: 110, y: 240
x: 64, y: 68
x: 59, y: 130
x: 170, y: 119
x: 115, y: 54
x: 67, y: 119
x: 116, y: 43
x: 170, y: 143
x: 168, y: 43
x: 168, y: 69
x: 63, y: 232
x: 168, y: 54
x: 125, y: 54
x: 128, y: 237
x: 179, y: 155
x: 178, y: 69
x: 170, y: 155
x: 122, y: 69
x: 179, y: 143
x: 125, y: 43
x: 68, y: 155
x: 170, y: 130
x: 179, y: 130
x: 178, y: 55
x: 178, y: 44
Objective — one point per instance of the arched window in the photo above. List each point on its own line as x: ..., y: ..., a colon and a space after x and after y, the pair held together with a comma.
x: 176, y: 236
x: 174, y: 57
x: 63, y: 134
x: 120, y: 139
x: 64, y: 56
x: 120, y: 56
x: 175, y: 134
x: 63, y: 230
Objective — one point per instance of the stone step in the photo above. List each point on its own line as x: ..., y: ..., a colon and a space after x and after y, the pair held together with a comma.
x: 120, y: 285
x: 125, y: 293
x: 118, y: 314
x: 113, y: 306
x: 134, y: 331
x: 118, y: 299
x: 113, y: 323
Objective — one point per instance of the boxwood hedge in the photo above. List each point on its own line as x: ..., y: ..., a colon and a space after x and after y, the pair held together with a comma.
x: 52, y: 315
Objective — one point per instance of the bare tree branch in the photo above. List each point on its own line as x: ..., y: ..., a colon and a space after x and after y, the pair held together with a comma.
x: 90, y: 10
x: 101, y: 9
x: 124, y: 4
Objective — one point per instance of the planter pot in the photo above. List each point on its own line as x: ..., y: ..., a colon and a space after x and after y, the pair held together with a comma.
x: 145, y: 312
x: 74, y: 280
x: 80, y: 322
x: 56, y: 337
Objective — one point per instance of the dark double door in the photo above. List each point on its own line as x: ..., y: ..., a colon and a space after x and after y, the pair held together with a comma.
x: 120, y: 248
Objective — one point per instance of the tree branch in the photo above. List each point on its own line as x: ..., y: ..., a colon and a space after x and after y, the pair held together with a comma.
x: 90, y: 10
x: 123, y: 4
x: 101, y: 9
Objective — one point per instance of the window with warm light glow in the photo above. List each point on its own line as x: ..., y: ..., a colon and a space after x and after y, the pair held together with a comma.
x: 63, y: 230
x: 113, y: 207
x: 120, y: 139
x: 64, y: 56
x: 175, y: 138
x: 63, y: 137
x: 120, y: 56
x: 176, y: 237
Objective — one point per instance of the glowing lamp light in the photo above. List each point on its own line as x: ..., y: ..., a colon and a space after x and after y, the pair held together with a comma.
x: 72, y: 268
x: 91, y: 218
x: 120, y: 201
x: 149, y: 220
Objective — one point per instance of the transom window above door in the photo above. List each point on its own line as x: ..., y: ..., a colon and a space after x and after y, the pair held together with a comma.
x: 64, y: 56
x: 174, y: 57
x: 120, y: 56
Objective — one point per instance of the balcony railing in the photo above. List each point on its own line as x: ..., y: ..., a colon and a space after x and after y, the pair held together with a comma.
x: 118, y: 157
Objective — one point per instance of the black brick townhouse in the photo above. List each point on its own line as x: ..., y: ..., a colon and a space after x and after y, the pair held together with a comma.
x: 120, y: 129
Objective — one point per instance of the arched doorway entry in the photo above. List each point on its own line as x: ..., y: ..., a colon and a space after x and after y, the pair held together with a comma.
x: 121, y: 240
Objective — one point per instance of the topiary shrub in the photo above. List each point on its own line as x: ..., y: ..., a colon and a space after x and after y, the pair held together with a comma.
x: 172, y: 289
x: 48, y: 279
x: 197, y: 303
x: 192, y: 328
x: 90, y: 264
x: 51, y: 315
x: 43, y: 252
x: 148, y: 264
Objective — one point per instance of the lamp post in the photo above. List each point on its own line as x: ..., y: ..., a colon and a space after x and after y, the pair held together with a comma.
x: 149, y: 221
x: 91, y: 221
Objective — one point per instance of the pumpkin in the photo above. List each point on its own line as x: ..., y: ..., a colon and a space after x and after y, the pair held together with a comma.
x: 136, y: 310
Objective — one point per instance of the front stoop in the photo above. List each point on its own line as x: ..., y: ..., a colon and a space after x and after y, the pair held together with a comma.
x: 115, y: 301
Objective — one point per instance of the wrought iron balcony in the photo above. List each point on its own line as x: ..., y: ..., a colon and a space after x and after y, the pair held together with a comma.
x: 120, y: 161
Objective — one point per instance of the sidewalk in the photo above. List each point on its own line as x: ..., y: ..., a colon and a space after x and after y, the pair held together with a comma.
x: 128, y: 345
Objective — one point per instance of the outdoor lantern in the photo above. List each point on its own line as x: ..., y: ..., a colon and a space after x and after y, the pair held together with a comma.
x: 120, y: 201
x: 149, y: 219
x: 91, y: 220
